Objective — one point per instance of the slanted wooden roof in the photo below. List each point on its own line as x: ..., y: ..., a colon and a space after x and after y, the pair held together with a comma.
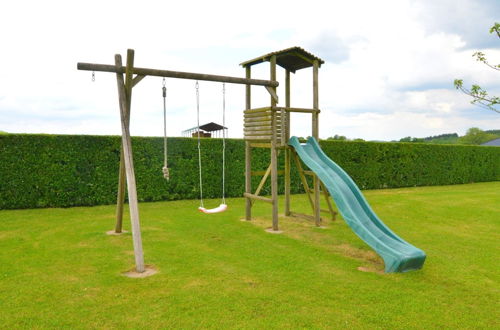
x: 211, y: 127
x: 292, y: 59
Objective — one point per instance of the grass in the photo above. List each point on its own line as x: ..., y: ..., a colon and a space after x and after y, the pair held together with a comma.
x: 59, y: 269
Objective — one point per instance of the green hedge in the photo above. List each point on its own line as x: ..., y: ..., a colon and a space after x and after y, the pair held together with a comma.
x: 71, y: 170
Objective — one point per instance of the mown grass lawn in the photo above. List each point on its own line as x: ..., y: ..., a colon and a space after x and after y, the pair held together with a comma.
x: 58, y: 269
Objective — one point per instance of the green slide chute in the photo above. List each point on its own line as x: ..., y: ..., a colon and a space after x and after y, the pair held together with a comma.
x: 398, y: 255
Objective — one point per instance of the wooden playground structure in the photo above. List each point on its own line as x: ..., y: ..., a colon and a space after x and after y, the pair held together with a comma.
x: 267, y: 127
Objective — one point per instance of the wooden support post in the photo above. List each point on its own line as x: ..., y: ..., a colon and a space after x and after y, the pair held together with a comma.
x: 120, y: 198
x: 125, y: 96
x: 286, y: 127
x: 303, y: 179
x: 274, y: 156
x: 328, y: 202
x: 315, y: 121
x: 315, y: 132
x: 248, y: 151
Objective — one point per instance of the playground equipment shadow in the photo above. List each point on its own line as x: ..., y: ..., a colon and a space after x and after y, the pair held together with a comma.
x: 60, y: 269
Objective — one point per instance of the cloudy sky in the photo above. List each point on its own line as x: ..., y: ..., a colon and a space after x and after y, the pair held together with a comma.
x: 388, y: 72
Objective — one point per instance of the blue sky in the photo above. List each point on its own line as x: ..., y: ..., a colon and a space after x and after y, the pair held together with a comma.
x: 389, y: 68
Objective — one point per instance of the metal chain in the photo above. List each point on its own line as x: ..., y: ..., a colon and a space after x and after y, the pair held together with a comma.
x: 165, y: 170
x: 93, y: 76
x: 199, y: 147
x: 223, y: 143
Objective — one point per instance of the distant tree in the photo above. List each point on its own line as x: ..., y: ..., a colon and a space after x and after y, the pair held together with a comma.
x: 480, y: 96
x: 441, y: 136
x: 411, y: 139
x: 476, y: 136
x: 494, y: 131
x: 358, y: 140
x: 337, y: 137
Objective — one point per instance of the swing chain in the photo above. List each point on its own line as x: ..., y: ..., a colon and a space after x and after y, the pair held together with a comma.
x: 199, y: 146
x: 223, y: 143
x: 93, y: 76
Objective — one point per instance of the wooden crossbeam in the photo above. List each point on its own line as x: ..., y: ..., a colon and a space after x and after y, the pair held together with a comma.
x: 177, y: 74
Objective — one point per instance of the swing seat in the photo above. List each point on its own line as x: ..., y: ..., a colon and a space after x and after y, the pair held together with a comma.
x: 218, y: 209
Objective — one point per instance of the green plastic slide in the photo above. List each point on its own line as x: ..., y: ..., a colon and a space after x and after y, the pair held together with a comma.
x: 398, y: 255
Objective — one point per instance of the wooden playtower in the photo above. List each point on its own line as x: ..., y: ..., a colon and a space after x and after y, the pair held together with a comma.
x: 269, y: 127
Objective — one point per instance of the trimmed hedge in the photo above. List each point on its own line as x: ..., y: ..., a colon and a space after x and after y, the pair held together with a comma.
x: 73, y: 170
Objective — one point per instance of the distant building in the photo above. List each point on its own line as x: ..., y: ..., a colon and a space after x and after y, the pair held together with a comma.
x: 494, y: 143
x: 208, y: 130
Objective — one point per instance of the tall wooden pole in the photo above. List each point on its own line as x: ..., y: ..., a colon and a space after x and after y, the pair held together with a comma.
x: 120, y: 198
x: 315, y: 132
x: 274, y: 156
x: 287, y: 150
x: 248, y: 151
x: 125, y: 97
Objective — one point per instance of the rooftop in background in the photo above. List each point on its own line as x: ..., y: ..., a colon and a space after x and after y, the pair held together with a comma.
x: 292, y: 59
x: 206, y: 130
x: 210, y: 127
x: 494, y: 143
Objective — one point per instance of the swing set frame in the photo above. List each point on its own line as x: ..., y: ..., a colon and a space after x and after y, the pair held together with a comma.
x: 263, y: 128
x: 133, y: 75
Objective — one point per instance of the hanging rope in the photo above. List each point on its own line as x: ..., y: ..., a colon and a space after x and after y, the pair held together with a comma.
x: 165, y: 170
x: 199, y: 147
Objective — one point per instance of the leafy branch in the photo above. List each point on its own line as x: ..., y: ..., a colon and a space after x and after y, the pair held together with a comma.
x: 479, y: 95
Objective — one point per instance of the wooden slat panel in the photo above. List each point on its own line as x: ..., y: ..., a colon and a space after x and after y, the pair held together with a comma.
x: 258, y: 114
x: 258, y: 132
x: 257, y: 123
x: 263, y: 119
x: 256, y: 137
x: 278, y: 119
x: 257, y: 110
x: 261, y: 114
x: 260, y: 145
x: 257, y: 128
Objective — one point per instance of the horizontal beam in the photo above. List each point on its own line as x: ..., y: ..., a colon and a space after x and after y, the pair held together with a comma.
x: 302, y: 215
x: 176, y: 74
x: 259, y: 198
x: 302, y: 110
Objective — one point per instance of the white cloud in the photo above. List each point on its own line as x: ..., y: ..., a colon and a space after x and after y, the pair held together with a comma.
x: 389, y: 71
